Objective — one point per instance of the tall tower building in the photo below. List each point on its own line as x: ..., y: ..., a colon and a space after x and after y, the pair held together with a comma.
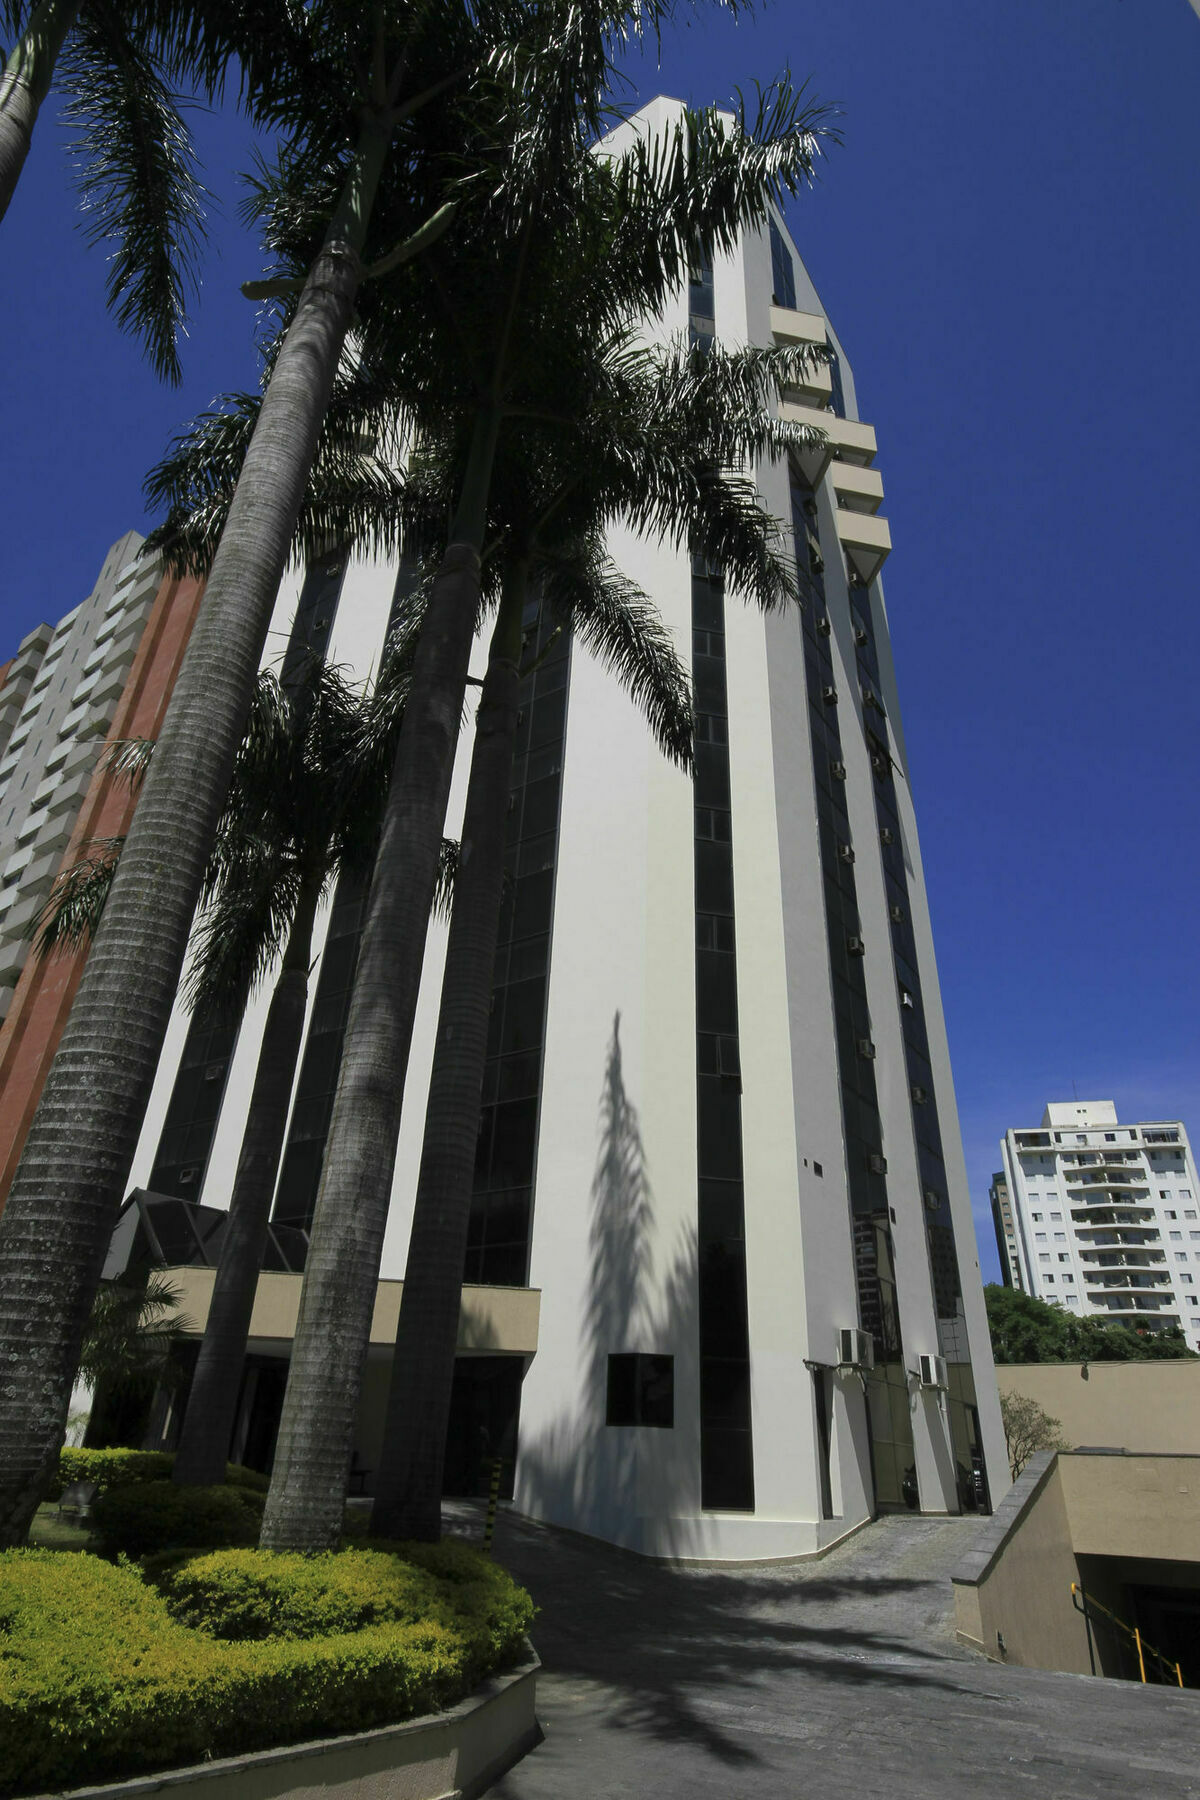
x: 57, y: 701
x: 721, y: 1293
x: 1005, y: 1226
x: 1106, y: 1216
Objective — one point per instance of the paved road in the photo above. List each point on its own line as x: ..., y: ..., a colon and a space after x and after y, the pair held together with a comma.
x: 833, y: 1680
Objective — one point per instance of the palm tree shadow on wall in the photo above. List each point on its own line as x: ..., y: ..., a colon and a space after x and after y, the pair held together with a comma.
x: 578, y: 1470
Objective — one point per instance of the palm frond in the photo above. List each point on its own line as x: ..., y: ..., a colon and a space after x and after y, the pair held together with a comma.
x: 447, y: 875
x: 130, y: 1334
x: 71, y: 913
x: 129, y: 758
x: 623, y: 628
x: 139, y: 187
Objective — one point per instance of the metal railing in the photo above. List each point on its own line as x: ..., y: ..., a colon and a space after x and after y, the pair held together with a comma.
x: 1167, y: 1672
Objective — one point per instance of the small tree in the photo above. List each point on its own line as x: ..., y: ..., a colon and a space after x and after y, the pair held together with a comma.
x: 1028, y: 1428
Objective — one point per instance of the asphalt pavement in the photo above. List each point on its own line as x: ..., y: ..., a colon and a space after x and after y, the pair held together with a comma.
x: 833, y: 1679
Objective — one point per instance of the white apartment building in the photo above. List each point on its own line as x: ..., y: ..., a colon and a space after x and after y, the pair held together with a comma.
x: 721, y: 1296
x: 57, y: 701
x: 1106, y: 1217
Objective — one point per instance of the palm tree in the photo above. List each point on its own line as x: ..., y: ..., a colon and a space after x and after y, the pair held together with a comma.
x: 585, y: 265
x: 130, y: 1335
x: 303, y: 807
x: 661, y: 424
x: 366, y: 96
x: 116, y: 67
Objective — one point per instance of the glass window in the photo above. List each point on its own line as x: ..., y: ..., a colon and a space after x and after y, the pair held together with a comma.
x: 1068, y: 1278
x: 641, y: 1391
x: 1175, y: 1236
x: 783, y: 273
x: 1044, y: 1256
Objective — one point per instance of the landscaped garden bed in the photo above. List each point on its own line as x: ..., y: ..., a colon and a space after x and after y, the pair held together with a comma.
x: 112, y: 1670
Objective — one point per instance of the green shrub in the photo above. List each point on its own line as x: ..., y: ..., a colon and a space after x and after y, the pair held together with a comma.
x: 146, y: 1518
x: 109, y: 1468
x: 98, y: 1681
x: 118, y: 1468
x: 257, y: 1594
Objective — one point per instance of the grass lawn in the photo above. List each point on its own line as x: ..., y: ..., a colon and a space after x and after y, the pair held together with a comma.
x: 50, y: 1532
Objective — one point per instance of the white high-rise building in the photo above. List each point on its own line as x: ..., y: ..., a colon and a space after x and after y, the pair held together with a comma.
x: 1105, y: 1217
x: 57, y: 700
x: 721, y: 1294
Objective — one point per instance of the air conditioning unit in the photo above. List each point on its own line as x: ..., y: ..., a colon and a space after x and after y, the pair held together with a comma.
x: 898, y: 914
x: 860, y: 636
x: 829, y: 696
x: 932, y: 1371
x: 846, y: 852
x: 856, y: 1350
x: 823, y: 625
x: 906, y: 999
x: 920, y: 1095
x: 866, y: 1048
x: 887, y: 836
x: 933, y: 1199
x: 838, y: 771
x: 877, y: 1163
x: 855, y: 947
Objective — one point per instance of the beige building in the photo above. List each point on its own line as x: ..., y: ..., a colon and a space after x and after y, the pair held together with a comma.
x: 1136, y: 1406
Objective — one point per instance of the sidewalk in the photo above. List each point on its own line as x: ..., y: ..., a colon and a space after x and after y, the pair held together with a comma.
x: 831, y: 1680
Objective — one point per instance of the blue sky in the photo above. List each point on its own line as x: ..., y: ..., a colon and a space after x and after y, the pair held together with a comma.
x: 1009, y: 244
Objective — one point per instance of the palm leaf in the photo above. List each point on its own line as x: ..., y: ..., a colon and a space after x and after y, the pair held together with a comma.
x: 68, y: 919
x: 139, y: 189
x: 622, y: 627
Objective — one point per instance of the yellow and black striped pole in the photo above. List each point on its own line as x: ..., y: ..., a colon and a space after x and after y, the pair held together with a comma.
x: 489, y: 1526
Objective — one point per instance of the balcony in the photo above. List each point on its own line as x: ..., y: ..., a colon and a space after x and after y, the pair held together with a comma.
x: 857, y: 490
x: 791, y: 328
x: 847, y: 439
x: 866, y: 540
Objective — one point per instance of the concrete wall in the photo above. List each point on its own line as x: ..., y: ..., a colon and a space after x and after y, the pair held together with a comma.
x: 1144, y: 1406
x: 1013, y: 1590
x: 1012, y: 1594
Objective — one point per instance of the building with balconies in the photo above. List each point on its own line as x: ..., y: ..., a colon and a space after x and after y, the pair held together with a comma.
x: 1105, y: 1217
x: 58, y: 699
x: 719, y: 1145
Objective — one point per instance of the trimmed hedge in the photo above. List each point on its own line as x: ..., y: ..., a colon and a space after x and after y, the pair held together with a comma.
x: 118, y: 1468
x: 98, y: 1681
x: 147, y: 1517
x: 240, y: 1595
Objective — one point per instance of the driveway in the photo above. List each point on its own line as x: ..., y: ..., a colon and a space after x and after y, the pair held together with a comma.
x: 831, y: 1680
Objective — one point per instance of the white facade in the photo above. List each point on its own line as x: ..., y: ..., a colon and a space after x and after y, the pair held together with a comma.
x: 838, y: 1223
x: 1107, y: 1216
x: 56, y: 704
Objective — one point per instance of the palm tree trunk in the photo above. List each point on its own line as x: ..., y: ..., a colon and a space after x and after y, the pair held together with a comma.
x: 25, y: 84
x: 68, y: 1188
x: 212, y: 1402
x: 408, y: 1501
x: 312, y: 1453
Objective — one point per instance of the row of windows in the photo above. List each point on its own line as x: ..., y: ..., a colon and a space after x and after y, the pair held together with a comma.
x: 505, y: 1157
x: 726, y: 1446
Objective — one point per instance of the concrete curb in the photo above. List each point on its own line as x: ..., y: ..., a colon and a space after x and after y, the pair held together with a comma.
x: 455, y: 1755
